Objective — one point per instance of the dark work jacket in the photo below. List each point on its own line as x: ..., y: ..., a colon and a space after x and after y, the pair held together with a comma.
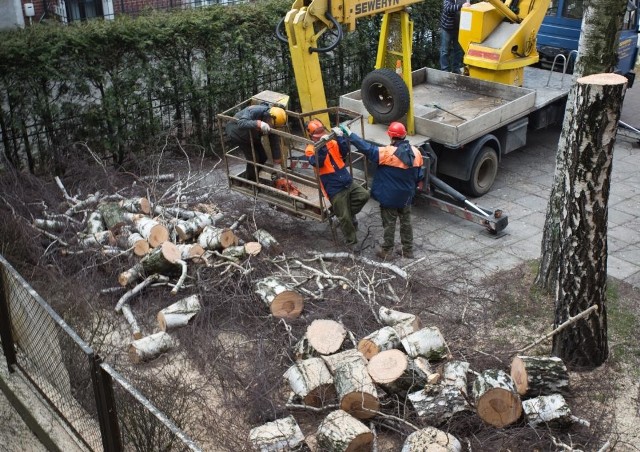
x: 450, y: 17
x: 399, y: 171
x: 334, y: 174
x: 246, y: 126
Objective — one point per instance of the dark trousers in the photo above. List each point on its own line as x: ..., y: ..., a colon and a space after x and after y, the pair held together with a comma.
x: 346, y: 204
x: 252, y: 171
x: 389, y: 218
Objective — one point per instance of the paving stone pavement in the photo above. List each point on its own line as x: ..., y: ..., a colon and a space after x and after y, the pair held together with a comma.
x: 522, y: 189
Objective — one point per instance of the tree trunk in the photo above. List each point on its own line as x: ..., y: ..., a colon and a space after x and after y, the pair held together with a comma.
x: 114, y: 216
x: 550, y: 410
x: 212, y: 238
x: 282, y: 302
x: 430, y: 438
x: 385, y: 338
x: 497, y: 401
x: 427, y: 342
x: 311, y: 381
x: 150, y: 347
x: 338, y: 359
x: 341, y: 432
x: 356, y: 392
x: 179, y: 313
x: 539, y: 375
x: 160, y: 260
x: 136, y: 205
x: 438, y: 403
x: 454, y: 374
x: 128, y: 239
x: 191, y: 251
x: 323, y: 337
x: 187, y: 229
x: 396, y: 373
x: 597, y: 53
x: 582, y: 224
x: 279, y: 435
x: 153, y: 231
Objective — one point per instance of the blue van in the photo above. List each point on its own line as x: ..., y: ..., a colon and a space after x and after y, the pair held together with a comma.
x: 560, y: 33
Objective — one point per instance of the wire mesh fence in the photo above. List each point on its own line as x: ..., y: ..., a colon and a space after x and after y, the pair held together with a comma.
x: 70, y: 377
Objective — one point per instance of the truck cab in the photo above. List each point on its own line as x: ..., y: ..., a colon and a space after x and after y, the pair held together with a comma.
x: 560, y: 34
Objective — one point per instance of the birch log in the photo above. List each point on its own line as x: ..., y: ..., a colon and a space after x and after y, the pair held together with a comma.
x: 150, y: 347
x: 395, y: 372
x: 97, y: 239
x: 187, y: 229
x: 338, y: 359
x: 252, y: 248
x: 497, y: 400
x: 191, y: 251
x: 179, y: 313
x: 160, y: 260
x: 356, y: 392
x: 385, y: 338
x: 128, y: 239
x: 454, y: 374
x: 389, y: 317
x: 427, y: 342
x: 325, y: 337
x: 311, y: 380
x: 279, y: 435
x: 265, y: 239
x: 438, y: 403
x: 539, y: 375
x: 431, y: 439
x: 151, y: 230
x: 136, y: 205
x: 551, y: 410
x: 94, y: 223
x: 236, y: 252
x: 281, y: 301
x: 212, y: 238
x: 114, y: 217
x: 341, y: 432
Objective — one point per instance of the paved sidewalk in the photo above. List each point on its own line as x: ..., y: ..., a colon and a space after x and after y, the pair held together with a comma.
x: 522, y: 190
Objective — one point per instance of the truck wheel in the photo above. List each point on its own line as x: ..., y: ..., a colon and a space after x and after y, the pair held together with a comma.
x: 385, y: 95
x: 483, y: 172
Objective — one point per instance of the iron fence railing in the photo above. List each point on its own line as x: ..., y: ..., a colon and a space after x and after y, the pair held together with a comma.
x: 88, y: 395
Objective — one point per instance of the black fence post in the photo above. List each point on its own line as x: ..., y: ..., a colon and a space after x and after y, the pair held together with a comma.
x: 106, y: 407
x: 5, y: 324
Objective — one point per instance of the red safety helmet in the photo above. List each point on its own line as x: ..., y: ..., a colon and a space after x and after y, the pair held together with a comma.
x: 315, y: 126
x: 396, y: 130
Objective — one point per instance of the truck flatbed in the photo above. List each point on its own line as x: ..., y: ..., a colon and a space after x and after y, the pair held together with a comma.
x: 453, y: 109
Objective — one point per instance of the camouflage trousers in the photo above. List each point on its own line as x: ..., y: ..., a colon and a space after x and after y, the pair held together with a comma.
x: 389, y: 218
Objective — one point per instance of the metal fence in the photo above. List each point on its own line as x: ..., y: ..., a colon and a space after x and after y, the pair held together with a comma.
x: 88, y: 395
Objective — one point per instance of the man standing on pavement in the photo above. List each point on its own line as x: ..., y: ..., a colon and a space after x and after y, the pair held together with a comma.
x: 450, y: 50
x: 252, y: 122
x: 347, y: 197
x: 398, y: 174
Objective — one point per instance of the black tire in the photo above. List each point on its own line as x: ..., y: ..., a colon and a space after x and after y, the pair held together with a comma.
x: 483, y: 172
x: 385, y: 95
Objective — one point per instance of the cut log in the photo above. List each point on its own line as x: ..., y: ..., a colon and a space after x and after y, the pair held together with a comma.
x: 497, y: 400
x: 235, y: 252
x: 94, y: 223
x: 427, y: 342
x: 153, y: 231
x: 132, y: 240
x: 49, y: 225
x: 150, y: 347
x: 403, y: 329
x: 136, y: 205
x: 212, y: 238
x: 341, y: 432
x: 431, y: 439
x: 281, y: 301
x: 179, y: 313
x: 311, y: 381
x: 252, y: 248
x: 114, y: 216
x: 338, y: 359
x: 191, y: 251
x: 385, y: 338
x: 187, y: 229
x: 551, y: 410
x: 97, y: 239
x: 396, y: 373
x: 326, y: 336
x: 280, y: 435
x: 160, y: 260
x: 131, y: 320
x: 454, y: 374
x: 539, y: 375
x: 356, y: 392
x: 389, y: 317
x: 267, y: 241
x: 438, y: 403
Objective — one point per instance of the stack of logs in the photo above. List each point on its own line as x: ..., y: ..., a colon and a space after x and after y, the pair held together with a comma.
x: 411, y: 363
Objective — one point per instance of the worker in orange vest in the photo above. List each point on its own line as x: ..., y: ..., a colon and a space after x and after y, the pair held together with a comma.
x: 347, y: 197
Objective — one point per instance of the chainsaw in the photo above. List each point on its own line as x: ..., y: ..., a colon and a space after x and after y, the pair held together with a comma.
x: 284, y: 184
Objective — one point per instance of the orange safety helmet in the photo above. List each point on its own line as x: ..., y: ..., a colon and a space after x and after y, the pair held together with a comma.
x: 315, y: 126
x: 278, y: 115
x: 396, y: 130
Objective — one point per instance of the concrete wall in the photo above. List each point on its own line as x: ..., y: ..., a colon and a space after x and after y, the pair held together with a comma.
x: 11, y: 15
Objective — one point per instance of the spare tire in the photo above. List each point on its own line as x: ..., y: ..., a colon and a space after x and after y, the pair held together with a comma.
x: 385, y: 95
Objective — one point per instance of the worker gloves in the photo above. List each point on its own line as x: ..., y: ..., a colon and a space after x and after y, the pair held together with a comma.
x: 264, y: 127
x: 342, y: 130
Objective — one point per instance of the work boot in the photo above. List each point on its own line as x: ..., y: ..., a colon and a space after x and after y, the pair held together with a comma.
x: 384, y: 254
x: 406, y: 254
